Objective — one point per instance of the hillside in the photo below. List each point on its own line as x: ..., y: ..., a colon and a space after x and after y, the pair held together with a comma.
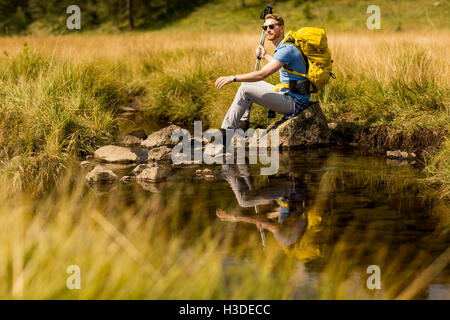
x: 112, y: 16
x: 342, y: 15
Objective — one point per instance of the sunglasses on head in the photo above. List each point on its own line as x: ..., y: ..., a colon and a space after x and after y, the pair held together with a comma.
x: 270, y: 26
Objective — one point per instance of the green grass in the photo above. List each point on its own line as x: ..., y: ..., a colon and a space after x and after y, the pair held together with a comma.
x: 52, y: 110
x: 344, y: 15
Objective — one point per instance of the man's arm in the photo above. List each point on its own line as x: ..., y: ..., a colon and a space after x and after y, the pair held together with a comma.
x: 267, y: 70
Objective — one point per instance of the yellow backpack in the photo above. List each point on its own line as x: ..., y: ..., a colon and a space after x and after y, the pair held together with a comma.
x: 312, y: 44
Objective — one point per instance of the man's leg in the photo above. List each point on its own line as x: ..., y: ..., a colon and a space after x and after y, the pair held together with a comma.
x: 256, y: 92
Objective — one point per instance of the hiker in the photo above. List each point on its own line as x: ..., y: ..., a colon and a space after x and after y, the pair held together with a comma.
x: 277, y: 98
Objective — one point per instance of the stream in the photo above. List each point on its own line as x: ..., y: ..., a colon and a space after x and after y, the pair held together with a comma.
x: 334, y: 210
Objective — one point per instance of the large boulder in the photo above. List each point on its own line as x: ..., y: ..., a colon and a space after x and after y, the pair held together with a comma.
x: 309, y: 128
x: 117, y: 154
x: 100, y: 175
x: 161, y: 138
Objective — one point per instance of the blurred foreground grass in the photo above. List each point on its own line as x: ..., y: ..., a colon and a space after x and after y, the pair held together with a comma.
x: 160, y: 246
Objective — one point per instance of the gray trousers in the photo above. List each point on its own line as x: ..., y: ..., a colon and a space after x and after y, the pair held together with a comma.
x: 260, y: 92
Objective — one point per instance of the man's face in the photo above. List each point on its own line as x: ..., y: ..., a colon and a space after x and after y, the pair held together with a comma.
x: 274, y: 33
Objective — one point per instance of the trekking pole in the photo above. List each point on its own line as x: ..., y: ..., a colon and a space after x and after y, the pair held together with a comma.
x: 261, y: 231
x: 267, y: 10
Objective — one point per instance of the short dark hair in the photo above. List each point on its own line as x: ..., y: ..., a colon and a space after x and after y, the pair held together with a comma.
x: 276, y: 17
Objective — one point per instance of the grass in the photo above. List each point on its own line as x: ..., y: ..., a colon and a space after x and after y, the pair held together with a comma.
x: 342, y: 16
x: 159, y: 247
x: 67, y: 89
x: 60, y: 98
x: 52, y: 110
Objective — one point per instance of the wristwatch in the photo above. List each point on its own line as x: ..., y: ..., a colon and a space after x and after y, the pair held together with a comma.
x: 234, y: 78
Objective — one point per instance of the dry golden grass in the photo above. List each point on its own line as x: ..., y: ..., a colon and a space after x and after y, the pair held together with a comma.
x: 369, y: 53
x: 395, y: 79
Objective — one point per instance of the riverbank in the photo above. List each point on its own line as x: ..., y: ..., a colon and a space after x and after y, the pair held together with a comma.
x: 61, y: 96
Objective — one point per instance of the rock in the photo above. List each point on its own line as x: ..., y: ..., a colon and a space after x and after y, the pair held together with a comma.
x: 394, y: 154
x: 140, y: 133
x: 131, y: 140
x: 99, y: 174
x: 141, y: 168
x: 206, y: 171
x: 309, y: 128
x: 398, y: 154
x: 129, y: 109
x: 152, y: 174
x: 162, y: 153
x: 125, y: 179
x: 89, y: 157
x: 342, y: 132
x: 161, y: 138
x: 85, y: 164
x: 213, y: 149
x: 116, y: 154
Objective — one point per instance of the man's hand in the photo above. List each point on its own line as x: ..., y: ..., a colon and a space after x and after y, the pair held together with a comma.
x: 223, y: 81
x: 261, y: 52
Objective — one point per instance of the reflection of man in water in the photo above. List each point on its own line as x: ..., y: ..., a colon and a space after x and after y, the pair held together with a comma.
x: 291, y: 226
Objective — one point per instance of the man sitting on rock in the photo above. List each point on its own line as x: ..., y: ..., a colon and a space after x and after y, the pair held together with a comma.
x: 253, y: 89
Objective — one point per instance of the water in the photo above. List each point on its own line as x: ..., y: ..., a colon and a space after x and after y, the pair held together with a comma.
x: 335, y: 211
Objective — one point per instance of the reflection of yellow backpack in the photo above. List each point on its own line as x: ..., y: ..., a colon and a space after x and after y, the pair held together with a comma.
x: 312, y: 43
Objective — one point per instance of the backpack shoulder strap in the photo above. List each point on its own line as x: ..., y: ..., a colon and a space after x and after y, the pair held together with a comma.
x: 290, y: 39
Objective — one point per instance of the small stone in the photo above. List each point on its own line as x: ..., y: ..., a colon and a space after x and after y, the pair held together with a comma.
x: 125, y: 179
x: 161, y: 137
x: 404, y: 154
x: 131, y: 140
x: 161, y: 153
x: 85, y: 164
x: 142, y: 167
x: 128, y: 109
x: 152, y: 174
x: 99, y: 174
x: 412, y: 155
x: 140, y: 133
x: 394, y: 154
x: 209, y: 176
x: 207, y: 171
x: 116, y: 154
